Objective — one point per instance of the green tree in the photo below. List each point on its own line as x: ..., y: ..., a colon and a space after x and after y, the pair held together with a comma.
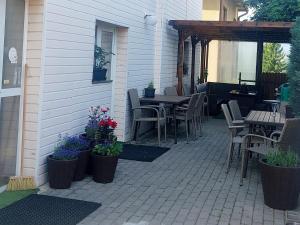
x: 274, y: 10
x: 294, y: 69
x: 274, y: 58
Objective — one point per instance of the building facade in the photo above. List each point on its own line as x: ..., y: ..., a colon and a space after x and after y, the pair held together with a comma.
x: 223, y: 55
x: 47, y: 81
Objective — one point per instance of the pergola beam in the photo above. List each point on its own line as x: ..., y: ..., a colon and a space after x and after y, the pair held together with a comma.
x: 260, y: 32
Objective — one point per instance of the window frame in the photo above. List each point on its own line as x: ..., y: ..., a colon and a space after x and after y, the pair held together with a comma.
x: 99, y: 28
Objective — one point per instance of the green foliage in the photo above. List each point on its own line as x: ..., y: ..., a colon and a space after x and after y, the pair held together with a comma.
x: 151, y: 85
x: 274, y: 58
x: 274, y: 10
x: 112, y: 149
x: 100, y: 57
x: 282, y: 159
x: 294, y: 69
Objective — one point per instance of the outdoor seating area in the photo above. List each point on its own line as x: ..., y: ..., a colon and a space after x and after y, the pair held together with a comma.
x: 169, y: 109
x: 186, y: 185
x: 149, y: 112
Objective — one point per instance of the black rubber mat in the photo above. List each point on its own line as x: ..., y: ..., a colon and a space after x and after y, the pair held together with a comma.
x: 142, y: 152
x: 46, y: 210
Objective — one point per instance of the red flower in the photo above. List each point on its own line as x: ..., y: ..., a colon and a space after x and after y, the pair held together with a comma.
x: 102, y: 123
x: 114, y: 124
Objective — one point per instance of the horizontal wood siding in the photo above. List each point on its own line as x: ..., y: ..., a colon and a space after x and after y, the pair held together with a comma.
x: 32, y: 86
x: 70, y: 33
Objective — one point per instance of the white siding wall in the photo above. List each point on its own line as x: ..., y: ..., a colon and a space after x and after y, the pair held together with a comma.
x: 69, y: 45
x: 32, y: 86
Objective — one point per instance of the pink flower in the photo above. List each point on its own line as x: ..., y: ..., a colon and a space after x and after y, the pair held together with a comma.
x: 104, y: 109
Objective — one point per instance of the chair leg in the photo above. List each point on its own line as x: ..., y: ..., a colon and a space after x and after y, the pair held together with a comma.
x: 200, y: 125
x: 158, y: 132
x: 187, y: 130
x: 229, y: 156
x: 245, y: 154
x: 239, y: 151
x: 165, y: 131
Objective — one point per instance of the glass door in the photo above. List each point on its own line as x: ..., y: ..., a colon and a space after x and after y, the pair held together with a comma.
x: 11, y: 53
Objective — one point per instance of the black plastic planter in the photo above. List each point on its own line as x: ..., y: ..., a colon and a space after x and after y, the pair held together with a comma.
x: 81, y: 167
x: 281, y: 186
x: 61, y: 172
x: 92, y: 142
x: 149, y: 92
x: 104, y: 168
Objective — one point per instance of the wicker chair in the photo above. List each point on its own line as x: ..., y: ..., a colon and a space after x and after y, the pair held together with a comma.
x: 199, y: 111
x: 236, y: 138
x: 139, y: 115
x: 288, y: 140
x: 187, y: 114
x: 235, y: 111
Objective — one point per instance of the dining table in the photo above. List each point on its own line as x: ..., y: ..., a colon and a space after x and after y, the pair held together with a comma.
x: 172, y: 101
x: 265, y: 118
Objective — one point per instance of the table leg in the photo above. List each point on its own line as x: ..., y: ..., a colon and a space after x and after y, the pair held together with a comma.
x: 175, y: 125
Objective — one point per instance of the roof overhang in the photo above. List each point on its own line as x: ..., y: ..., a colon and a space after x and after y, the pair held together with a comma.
x: 276, y: 32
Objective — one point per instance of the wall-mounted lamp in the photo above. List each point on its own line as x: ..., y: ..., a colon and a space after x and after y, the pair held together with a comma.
x: 150, y: 19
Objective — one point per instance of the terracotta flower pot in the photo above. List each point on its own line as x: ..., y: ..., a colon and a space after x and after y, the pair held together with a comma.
x: 61, y: 172
x: 81, y: 167
x: 281, y: 186
x: 104, y: 168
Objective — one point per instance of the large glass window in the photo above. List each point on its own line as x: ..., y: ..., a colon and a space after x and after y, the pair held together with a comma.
x: 104, y: 54
x: 11, y: 49
x: 13, y: 44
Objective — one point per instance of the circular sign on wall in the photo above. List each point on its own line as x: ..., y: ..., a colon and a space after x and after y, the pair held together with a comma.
x: 13, y: 55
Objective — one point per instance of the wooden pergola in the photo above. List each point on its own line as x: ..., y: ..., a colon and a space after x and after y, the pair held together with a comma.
x: 206, y: 31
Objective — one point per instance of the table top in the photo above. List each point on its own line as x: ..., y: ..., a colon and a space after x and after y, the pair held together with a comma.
x: 265, y: 118
x: 270, y: 101
x: 175, y: 100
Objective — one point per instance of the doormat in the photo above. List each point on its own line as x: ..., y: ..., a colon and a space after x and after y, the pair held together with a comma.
x: 46, y: 210
x: 142, y: 153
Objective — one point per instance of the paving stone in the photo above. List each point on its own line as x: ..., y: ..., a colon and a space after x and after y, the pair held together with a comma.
x: 186, y: 185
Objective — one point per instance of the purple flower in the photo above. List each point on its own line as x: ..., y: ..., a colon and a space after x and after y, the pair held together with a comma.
x: 62, y: 153
x: 75, y: 143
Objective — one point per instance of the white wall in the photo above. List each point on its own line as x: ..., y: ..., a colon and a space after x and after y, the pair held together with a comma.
x: 32, y: 81
x: 68, y: 91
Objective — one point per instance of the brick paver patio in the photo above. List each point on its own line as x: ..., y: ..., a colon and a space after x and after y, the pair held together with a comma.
x: 186, y: 185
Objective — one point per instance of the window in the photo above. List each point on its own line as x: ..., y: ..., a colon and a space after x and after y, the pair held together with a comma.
x: 104, y: 54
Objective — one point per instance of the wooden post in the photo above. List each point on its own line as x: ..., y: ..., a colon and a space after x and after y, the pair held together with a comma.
x: 259, y: 63
x: 202, y: 61
x: 207, y: 55
x: 180, y: 62
x: 195, y: 40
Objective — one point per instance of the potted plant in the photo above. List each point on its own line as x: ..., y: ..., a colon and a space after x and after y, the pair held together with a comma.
x: 150, y: 90
x: 92, y: 126
x: 280, y: 175
x: 99, y: 73
x: 61, y: 167
x: 82, y: 146
x: 105, y: 153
